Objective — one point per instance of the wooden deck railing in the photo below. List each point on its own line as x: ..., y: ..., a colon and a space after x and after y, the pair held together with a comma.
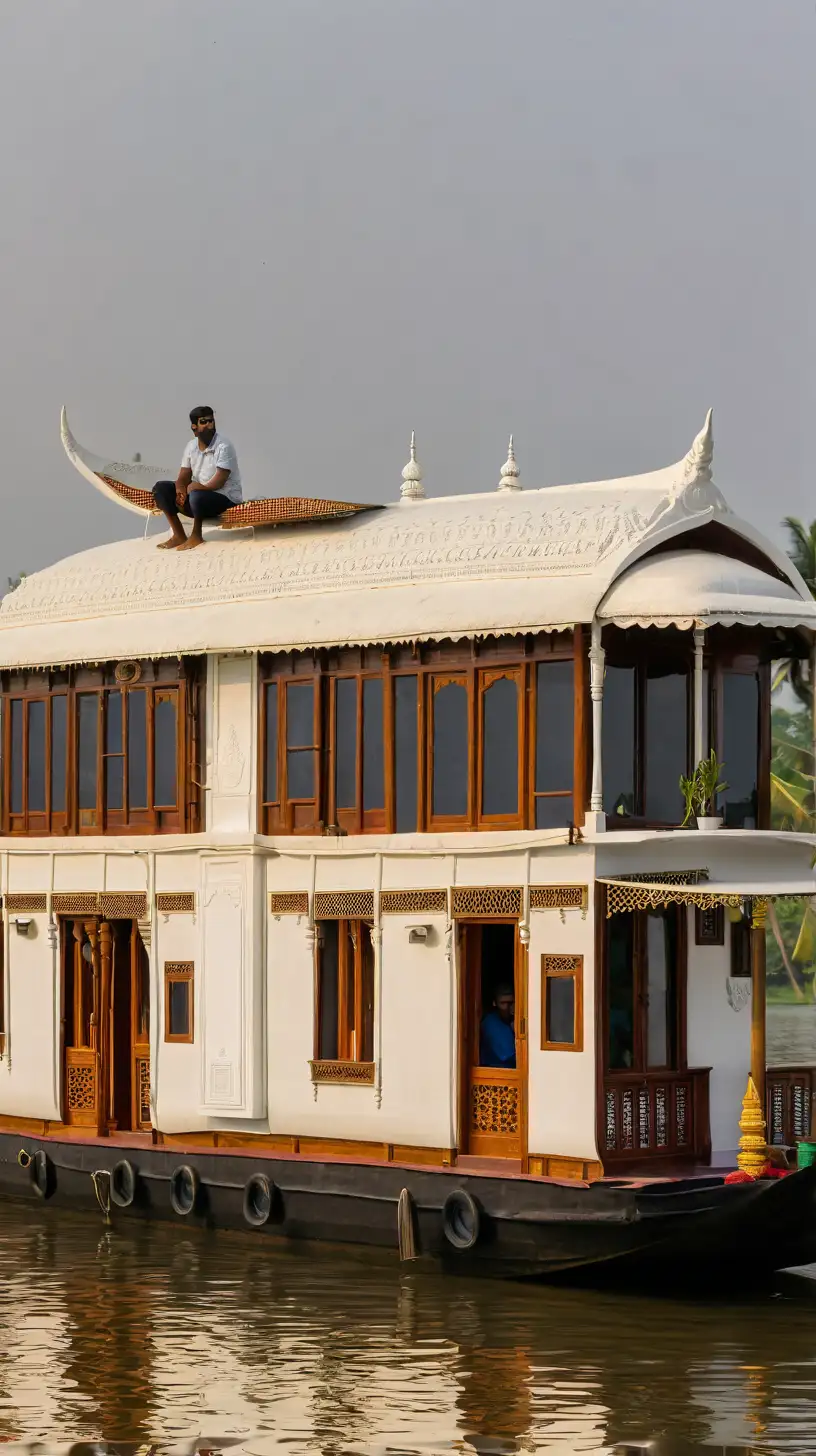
x: 656, y: 1113
x: 788, y: 1098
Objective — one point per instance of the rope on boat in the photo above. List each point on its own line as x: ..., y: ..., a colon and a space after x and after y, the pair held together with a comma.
x: 406, y: 1231
x: 102, y: 1192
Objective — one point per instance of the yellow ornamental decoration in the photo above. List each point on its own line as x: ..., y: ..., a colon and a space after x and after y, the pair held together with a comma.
x: 753, y: 1154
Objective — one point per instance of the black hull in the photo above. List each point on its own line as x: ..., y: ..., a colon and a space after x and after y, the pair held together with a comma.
x: 663, y: 1233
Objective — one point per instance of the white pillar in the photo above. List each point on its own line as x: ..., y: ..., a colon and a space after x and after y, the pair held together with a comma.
x: 700, y: 745
x: 596, y: 819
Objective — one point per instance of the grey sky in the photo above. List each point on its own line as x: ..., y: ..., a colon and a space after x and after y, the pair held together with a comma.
x: 338, y: 220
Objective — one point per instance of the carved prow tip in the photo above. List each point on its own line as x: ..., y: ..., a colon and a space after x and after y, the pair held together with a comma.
x: 700, y: 457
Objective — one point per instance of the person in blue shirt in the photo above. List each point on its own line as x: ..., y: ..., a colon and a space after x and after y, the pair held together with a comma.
x: 497, y: 1039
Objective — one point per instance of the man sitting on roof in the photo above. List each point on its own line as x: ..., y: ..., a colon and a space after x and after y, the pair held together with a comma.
x: 210, y: 465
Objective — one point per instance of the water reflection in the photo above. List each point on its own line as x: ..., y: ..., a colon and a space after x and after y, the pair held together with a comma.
x: 144, y: 1335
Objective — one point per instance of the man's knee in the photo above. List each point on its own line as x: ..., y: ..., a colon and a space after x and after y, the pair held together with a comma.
x: 164, y: 494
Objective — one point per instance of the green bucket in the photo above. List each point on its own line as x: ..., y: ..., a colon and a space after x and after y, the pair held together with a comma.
x: 805, y: 1155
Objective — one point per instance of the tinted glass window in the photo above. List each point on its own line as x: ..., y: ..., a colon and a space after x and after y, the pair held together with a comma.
x: 137, y: 749
x: 16, y: 756
x: 373, y: 744
x: 114, y: 783
x: 553, y: 811
x: 619, y: 741
x: 621, y: 991
x: 36, y: 758
x: 666, y: 745
x: 328, y: 990
x: 164, y: 752
x: 300, y: 715
x: 405, y: 752
x: 179, y: 1008
x: 345, y: 745
x: 113, y: 723
x: 59, y: 753
x: 450, y: 750
x: 561, y: 1009
x: 300, y: 773
x: 555, y: 706
x: 500, y: 754
x: 88, y: 735
x: 740, y: 748
x: 270, y: 789
x: 660, y: 992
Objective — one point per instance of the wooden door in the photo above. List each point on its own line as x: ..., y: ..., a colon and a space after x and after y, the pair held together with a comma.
x: 80, y: 1018
x: 492, y: 1099
x: 140, y: 1032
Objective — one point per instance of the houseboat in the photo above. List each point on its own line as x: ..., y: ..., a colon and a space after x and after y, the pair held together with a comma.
x: 346, y: 893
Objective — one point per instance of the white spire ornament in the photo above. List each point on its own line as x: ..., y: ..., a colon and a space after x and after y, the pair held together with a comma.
x: 412, y: 488
x: 509, y: 472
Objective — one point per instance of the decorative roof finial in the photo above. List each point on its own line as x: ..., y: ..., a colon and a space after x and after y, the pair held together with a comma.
x: 509, y: 471
x: 412, y: 487
x: 700, y: 457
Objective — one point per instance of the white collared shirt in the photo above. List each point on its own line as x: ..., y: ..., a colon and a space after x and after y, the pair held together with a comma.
x: 219, y: 455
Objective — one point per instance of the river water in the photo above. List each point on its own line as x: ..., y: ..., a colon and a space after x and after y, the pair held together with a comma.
x: 156, y: 1334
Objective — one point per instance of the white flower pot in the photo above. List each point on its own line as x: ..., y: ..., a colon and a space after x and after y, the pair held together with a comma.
x: 713, y: 821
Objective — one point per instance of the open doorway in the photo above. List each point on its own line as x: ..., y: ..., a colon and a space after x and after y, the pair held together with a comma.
x: 492, y: 1044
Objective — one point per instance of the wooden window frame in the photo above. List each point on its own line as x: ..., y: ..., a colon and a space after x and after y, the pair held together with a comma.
x: 162, y: 680
x: 433, y: 665
x: 350, y: 1031
x: 640, y: 657
x: 175, y: 973
x: 640, y: 996
x: 486, y: 677
x: 553, y: 969
x: 745, y: 665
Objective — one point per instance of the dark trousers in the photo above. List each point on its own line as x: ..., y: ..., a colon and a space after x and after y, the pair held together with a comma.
x: 202, y: 505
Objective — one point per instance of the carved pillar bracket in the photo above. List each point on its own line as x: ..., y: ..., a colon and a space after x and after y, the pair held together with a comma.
x: 700, y: 745
x: 597, y: 658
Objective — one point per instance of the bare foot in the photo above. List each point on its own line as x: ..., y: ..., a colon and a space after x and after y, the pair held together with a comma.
x: 190, y: 544
x: 168, y: 545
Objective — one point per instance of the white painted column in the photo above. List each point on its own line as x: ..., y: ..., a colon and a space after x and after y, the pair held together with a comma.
x: 700, y: 745
x: 596, y: 818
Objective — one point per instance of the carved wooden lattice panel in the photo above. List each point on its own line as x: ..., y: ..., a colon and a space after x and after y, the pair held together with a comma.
x: 76, y: 902
x: 26, y: 904
x: 143, y: 1090
x: 123, y: 904
x: 353, y: 1073
x: 562, y: 964
x: 80, y: 1087
x: 486, y: 900
x: 182, y: 902
x: 494, y: 1108
x: 344, y: 905
x: 559, y: 897
x: 289, y: 902
x: 414, y: 902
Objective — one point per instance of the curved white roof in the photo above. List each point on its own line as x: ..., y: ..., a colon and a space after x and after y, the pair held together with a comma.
x: 688, y: 588
x: 454, y: 566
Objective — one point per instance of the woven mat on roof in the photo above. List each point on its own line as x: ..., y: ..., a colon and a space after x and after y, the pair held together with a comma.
x: 277, y: 511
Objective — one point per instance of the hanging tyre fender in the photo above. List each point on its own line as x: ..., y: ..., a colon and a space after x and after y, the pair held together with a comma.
x: 260, y: 1197
x: 184, y: 1185
x: 461, y: 1220
x: 123, y: 1183
x: 41, y: 1171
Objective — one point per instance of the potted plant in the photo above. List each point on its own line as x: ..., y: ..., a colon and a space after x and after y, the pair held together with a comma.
x: 707, y: 785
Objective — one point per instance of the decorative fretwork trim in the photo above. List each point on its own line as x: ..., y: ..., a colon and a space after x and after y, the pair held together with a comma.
x: 414, y: 902
x: 289, y: 902
x: 360, y: 1074
x: 344, y: 905
x: 559, y: 897
x: 178, y: 970
x: 26, y: 904
x: 666, y: 877
x: 486, y: 900
x: 562, y: 965
x: 123, y: 904
x: 76, y: 902
x: 620, y: 898
x: 176, y: 902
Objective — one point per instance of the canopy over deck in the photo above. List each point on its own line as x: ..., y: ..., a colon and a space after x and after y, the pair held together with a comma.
x: 503, y: 561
